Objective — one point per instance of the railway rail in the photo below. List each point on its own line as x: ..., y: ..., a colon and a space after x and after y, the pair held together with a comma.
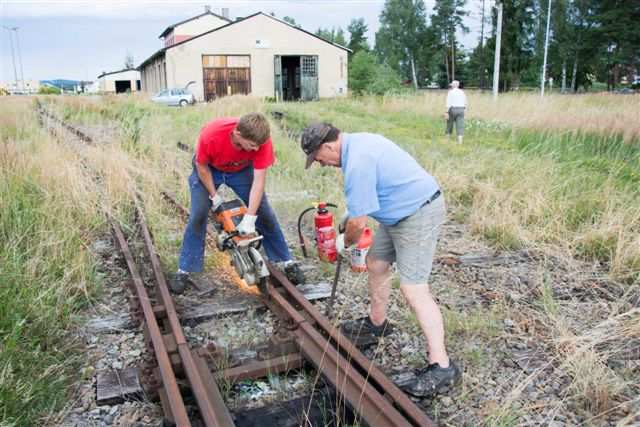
x: 304, y: 335
x: 370, y: 393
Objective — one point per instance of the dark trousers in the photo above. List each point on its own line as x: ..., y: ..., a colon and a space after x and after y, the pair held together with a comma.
x: 192, y: 250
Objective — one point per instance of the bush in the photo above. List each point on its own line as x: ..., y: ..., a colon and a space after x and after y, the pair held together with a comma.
x: 367, y: 76
x: 48, y: 90
x: 385, y: 80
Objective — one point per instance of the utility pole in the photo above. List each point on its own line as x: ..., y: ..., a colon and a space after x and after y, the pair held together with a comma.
x: 496, y: 60
x: 13, y: 56
x: 15, y: 29
x: 482, y: 68
x: 546, y: 48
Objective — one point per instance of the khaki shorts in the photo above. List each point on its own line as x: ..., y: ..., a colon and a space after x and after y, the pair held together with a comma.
x: 411, y: 243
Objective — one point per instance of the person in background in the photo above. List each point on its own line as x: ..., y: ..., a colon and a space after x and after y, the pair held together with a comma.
x: 236, y: 152
x: 456, y: 104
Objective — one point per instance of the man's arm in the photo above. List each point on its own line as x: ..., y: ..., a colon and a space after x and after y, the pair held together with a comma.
x: 257, y: 190
x: 204, y: 173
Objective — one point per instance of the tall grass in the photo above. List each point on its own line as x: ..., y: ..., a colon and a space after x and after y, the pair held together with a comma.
x: 46, y: 273
x: 601, y: 113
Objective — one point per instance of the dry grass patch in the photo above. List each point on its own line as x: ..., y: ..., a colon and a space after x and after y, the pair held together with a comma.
x: 599, y: 113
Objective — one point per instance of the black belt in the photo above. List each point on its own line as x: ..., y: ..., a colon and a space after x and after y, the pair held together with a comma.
x: 431, y: 199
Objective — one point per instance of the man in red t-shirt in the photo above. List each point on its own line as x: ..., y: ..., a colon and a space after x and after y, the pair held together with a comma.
x: 236, y: 152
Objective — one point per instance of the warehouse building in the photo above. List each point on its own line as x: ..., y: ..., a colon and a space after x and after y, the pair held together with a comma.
x: 122, y: 81
x: 259, y: 55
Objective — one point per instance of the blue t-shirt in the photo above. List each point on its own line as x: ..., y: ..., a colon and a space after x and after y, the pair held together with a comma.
x: 382, y: 180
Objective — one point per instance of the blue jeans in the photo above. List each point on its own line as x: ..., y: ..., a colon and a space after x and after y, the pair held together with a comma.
x: 192, y: 251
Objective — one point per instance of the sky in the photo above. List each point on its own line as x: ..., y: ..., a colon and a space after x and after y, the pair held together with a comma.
x: 78, y: 40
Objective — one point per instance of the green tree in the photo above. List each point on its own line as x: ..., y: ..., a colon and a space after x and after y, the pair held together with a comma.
x: 367, y: 76
x: 333, y: 35
x: 447, y: 19
x: 401, y: 35
x: 357, y: 38
x: 291, y: 21
x: 617, y: 32
x: 518, y: 42
x: 362, y: 69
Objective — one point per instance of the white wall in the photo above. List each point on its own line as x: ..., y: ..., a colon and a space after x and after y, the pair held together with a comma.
x: 198, y: 26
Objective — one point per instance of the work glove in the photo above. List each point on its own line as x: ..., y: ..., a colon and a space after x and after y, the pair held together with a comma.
x: 216, y: 201
x: 247, y: 225
x: 340, y: 247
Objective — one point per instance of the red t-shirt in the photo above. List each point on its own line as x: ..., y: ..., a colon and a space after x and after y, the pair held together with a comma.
x: 215, y: 148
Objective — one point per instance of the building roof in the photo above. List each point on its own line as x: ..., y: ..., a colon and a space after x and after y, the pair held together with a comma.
x: 161, y: 51
x: 156, y: 54
x: 171, y: 27
x: 119, y: 71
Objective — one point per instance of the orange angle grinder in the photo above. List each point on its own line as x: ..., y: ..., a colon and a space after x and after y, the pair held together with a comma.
x: 244, y: 250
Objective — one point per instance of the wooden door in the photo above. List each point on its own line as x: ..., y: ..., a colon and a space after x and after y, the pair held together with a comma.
x: 225, y: 75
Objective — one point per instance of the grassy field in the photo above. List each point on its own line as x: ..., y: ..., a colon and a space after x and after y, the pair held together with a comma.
x: 560, y: 176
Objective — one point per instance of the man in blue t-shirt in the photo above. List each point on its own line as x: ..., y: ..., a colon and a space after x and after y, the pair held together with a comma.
x: 384, y: 182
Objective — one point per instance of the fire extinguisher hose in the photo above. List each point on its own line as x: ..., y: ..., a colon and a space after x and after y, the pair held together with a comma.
x: 300, y: 218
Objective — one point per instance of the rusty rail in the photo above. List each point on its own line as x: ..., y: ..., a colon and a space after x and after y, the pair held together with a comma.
x: 77, y: 132
x: 364, y: 386
x: 170, y: 384
x: 212, y: 407
x: 213, y: 410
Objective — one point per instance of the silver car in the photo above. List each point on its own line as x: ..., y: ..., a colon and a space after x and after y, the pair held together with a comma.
x: 174, y: 97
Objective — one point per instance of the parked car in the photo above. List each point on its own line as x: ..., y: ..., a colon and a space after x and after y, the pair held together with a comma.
x: 174, y: 97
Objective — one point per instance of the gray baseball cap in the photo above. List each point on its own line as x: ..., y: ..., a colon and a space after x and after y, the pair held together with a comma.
x: 312, y: 138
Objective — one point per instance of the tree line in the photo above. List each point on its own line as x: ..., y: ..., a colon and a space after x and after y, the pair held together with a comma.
x: 590, y: 41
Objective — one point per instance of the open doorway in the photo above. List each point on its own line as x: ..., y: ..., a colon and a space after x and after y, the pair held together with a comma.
x: 296, y: 77
x: 291, y: 78
x: 123, y: 86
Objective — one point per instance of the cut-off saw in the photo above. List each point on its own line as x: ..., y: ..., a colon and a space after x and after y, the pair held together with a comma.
x: 243, y: 250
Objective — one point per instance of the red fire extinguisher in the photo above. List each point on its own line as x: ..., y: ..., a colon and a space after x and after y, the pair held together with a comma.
x: 325, y: 233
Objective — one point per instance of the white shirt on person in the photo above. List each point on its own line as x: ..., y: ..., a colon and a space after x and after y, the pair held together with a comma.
x: 456, y: 98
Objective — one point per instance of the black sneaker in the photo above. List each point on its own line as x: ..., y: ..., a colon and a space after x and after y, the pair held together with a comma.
x: 178, y: 282
x: 294, y: 274
x: 363, y: 332
x: 434, y: 380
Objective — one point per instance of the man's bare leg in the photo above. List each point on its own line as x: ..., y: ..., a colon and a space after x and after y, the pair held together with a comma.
x: 430, y: 319
x: 379, y: 289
